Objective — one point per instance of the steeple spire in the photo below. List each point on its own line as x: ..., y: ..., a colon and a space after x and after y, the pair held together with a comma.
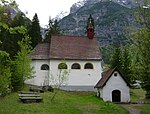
x: 90, y: 27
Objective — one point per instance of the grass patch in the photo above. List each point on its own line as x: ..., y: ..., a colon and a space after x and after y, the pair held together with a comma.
x: 64, y: 103
x: 145, y: 108
x: 137, y: 94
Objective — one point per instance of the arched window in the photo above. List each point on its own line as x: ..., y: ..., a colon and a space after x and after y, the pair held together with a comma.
x: 75, y: 66
x: 88, y: 66
x: 44, y: 67
x: 62, y: 66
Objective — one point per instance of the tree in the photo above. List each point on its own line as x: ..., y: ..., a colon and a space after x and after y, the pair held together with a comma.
x: 59, y: 79
x: 116, y: 60
x: 52, y: 29
x: 126, y: 64
x: 5, y: 73
x: 9, y: 34
x: 34, y: 31
x: 106, y: 52
x: 13, y: 39
x: 122, y: 60
x: 141, y: 40
x: 20, y: 20
x: 22, y: 69
x: 9, y: 37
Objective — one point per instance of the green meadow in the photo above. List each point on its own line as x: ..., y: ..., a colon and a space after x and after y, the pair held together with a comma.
x: 64, y: 103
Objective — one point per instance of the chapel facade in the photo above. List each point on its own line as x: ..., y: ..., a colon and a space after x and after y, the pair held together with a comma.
x: 82, y: 58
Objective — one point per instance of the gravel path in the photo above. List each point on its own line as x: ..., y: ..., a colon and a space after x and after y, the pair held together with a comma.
x: 131, y: 109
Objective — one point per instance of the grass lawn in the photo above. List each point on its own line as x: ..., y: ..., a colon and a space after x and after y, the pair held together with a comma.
x: 138, y: 95
x: 64, y: 103
x: 145, y: 108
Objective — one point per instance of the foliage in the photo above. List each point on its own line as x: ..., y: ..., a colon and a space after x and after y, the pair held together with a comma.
x: 51, y: 89
x: 34, y: 31
x: 14, y: 43
x: 5, y: 73
x: 126, y: 64
x: 106, y: 51
x: 22, y: 68
x: 9, y: 37
x: 116, y: 60
x: 11, y: 30
x: 60, y: 79
x: 137, y: 94
x: 62, y: 66
x: 141, y: 40
x: 52, y: 29
x: 21, y: 20
x: 122, y: 60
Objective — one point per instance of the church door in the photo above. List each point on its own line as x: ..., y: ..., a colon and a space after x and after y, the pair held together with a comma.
x: 116, y: 96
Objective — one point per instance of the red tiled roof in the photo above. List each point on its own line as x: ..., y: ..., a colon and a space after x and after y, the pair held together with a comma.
x: 68, y: 47
x: 105, y: 77
x: 41, y: 51
x: 74, y: 47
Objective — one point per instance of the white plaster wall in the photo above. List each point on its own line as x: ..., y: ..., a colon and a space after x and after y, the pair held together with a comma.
x: 79, y: 77
x: 116, y: 83
x: 40, y: 75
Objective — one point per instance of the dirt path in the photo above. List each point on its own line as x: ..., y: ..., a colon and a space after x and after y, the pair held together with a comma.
x: 131, y: 109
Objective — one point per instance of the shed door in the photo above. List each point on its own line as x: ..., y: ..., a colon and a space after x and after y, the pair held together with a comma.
x: 116, y: 96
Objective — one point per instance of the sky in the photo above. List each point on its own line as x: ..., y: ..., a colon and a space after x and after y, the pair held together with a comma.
x: 45, y: 8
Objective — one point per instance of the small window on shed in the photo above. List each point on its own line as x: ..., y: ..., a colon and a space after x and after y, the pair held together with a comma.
x: 44, y: 67
x: 88, y: 66
x: 115, y: 74
x: 62, y: 66
x: 75, y: 66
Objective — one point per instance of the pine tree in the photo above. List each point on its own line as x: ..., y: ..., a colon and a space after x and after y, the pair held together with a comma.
x: 141, y: 39
x: 52, y: 29
x: 116, y: 60
x: 22, y: 68
x: 126, y: 64
x: 35, y: 32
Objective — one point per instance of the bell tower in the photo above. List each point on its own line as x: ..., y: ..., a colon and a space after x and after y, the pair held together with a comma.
x: 90, y: 27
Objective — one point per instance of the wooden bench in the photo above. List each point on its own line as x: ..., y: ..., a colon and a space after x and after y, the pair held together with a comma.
x: 37, y: 89
x: 27, y: 92
x: 30, y: 97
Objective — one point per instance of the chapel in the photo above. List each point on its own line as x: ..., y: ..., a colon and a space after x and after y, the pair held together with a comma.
x: 82, y: 58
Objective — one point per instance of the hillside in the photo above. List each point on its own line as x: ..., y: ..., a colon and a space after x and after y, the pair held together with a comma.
x: 111, y: 20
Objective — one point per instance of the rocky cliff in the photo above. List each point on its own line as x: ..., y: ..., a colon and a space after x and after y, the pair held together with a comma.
x: 111, y: 20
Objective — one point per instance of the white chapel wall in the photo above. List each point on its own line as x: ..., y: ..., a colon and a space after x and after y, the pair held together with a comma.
x: 116, y: 83
x: 40, y: 75
x: 79, y: 77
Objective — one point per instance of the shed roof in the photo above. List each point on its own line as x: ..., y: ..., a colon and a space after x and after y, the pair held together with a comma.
x: 105, y: 77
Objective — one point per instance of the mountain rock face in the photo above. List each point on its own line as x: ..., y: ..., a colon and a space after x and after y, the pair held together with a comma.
x: 111, y: 20
x: 126, y: 3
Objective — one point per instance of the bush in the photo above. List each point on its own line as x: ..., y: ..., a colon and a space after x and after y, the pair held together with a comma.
x: 51, y: 89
